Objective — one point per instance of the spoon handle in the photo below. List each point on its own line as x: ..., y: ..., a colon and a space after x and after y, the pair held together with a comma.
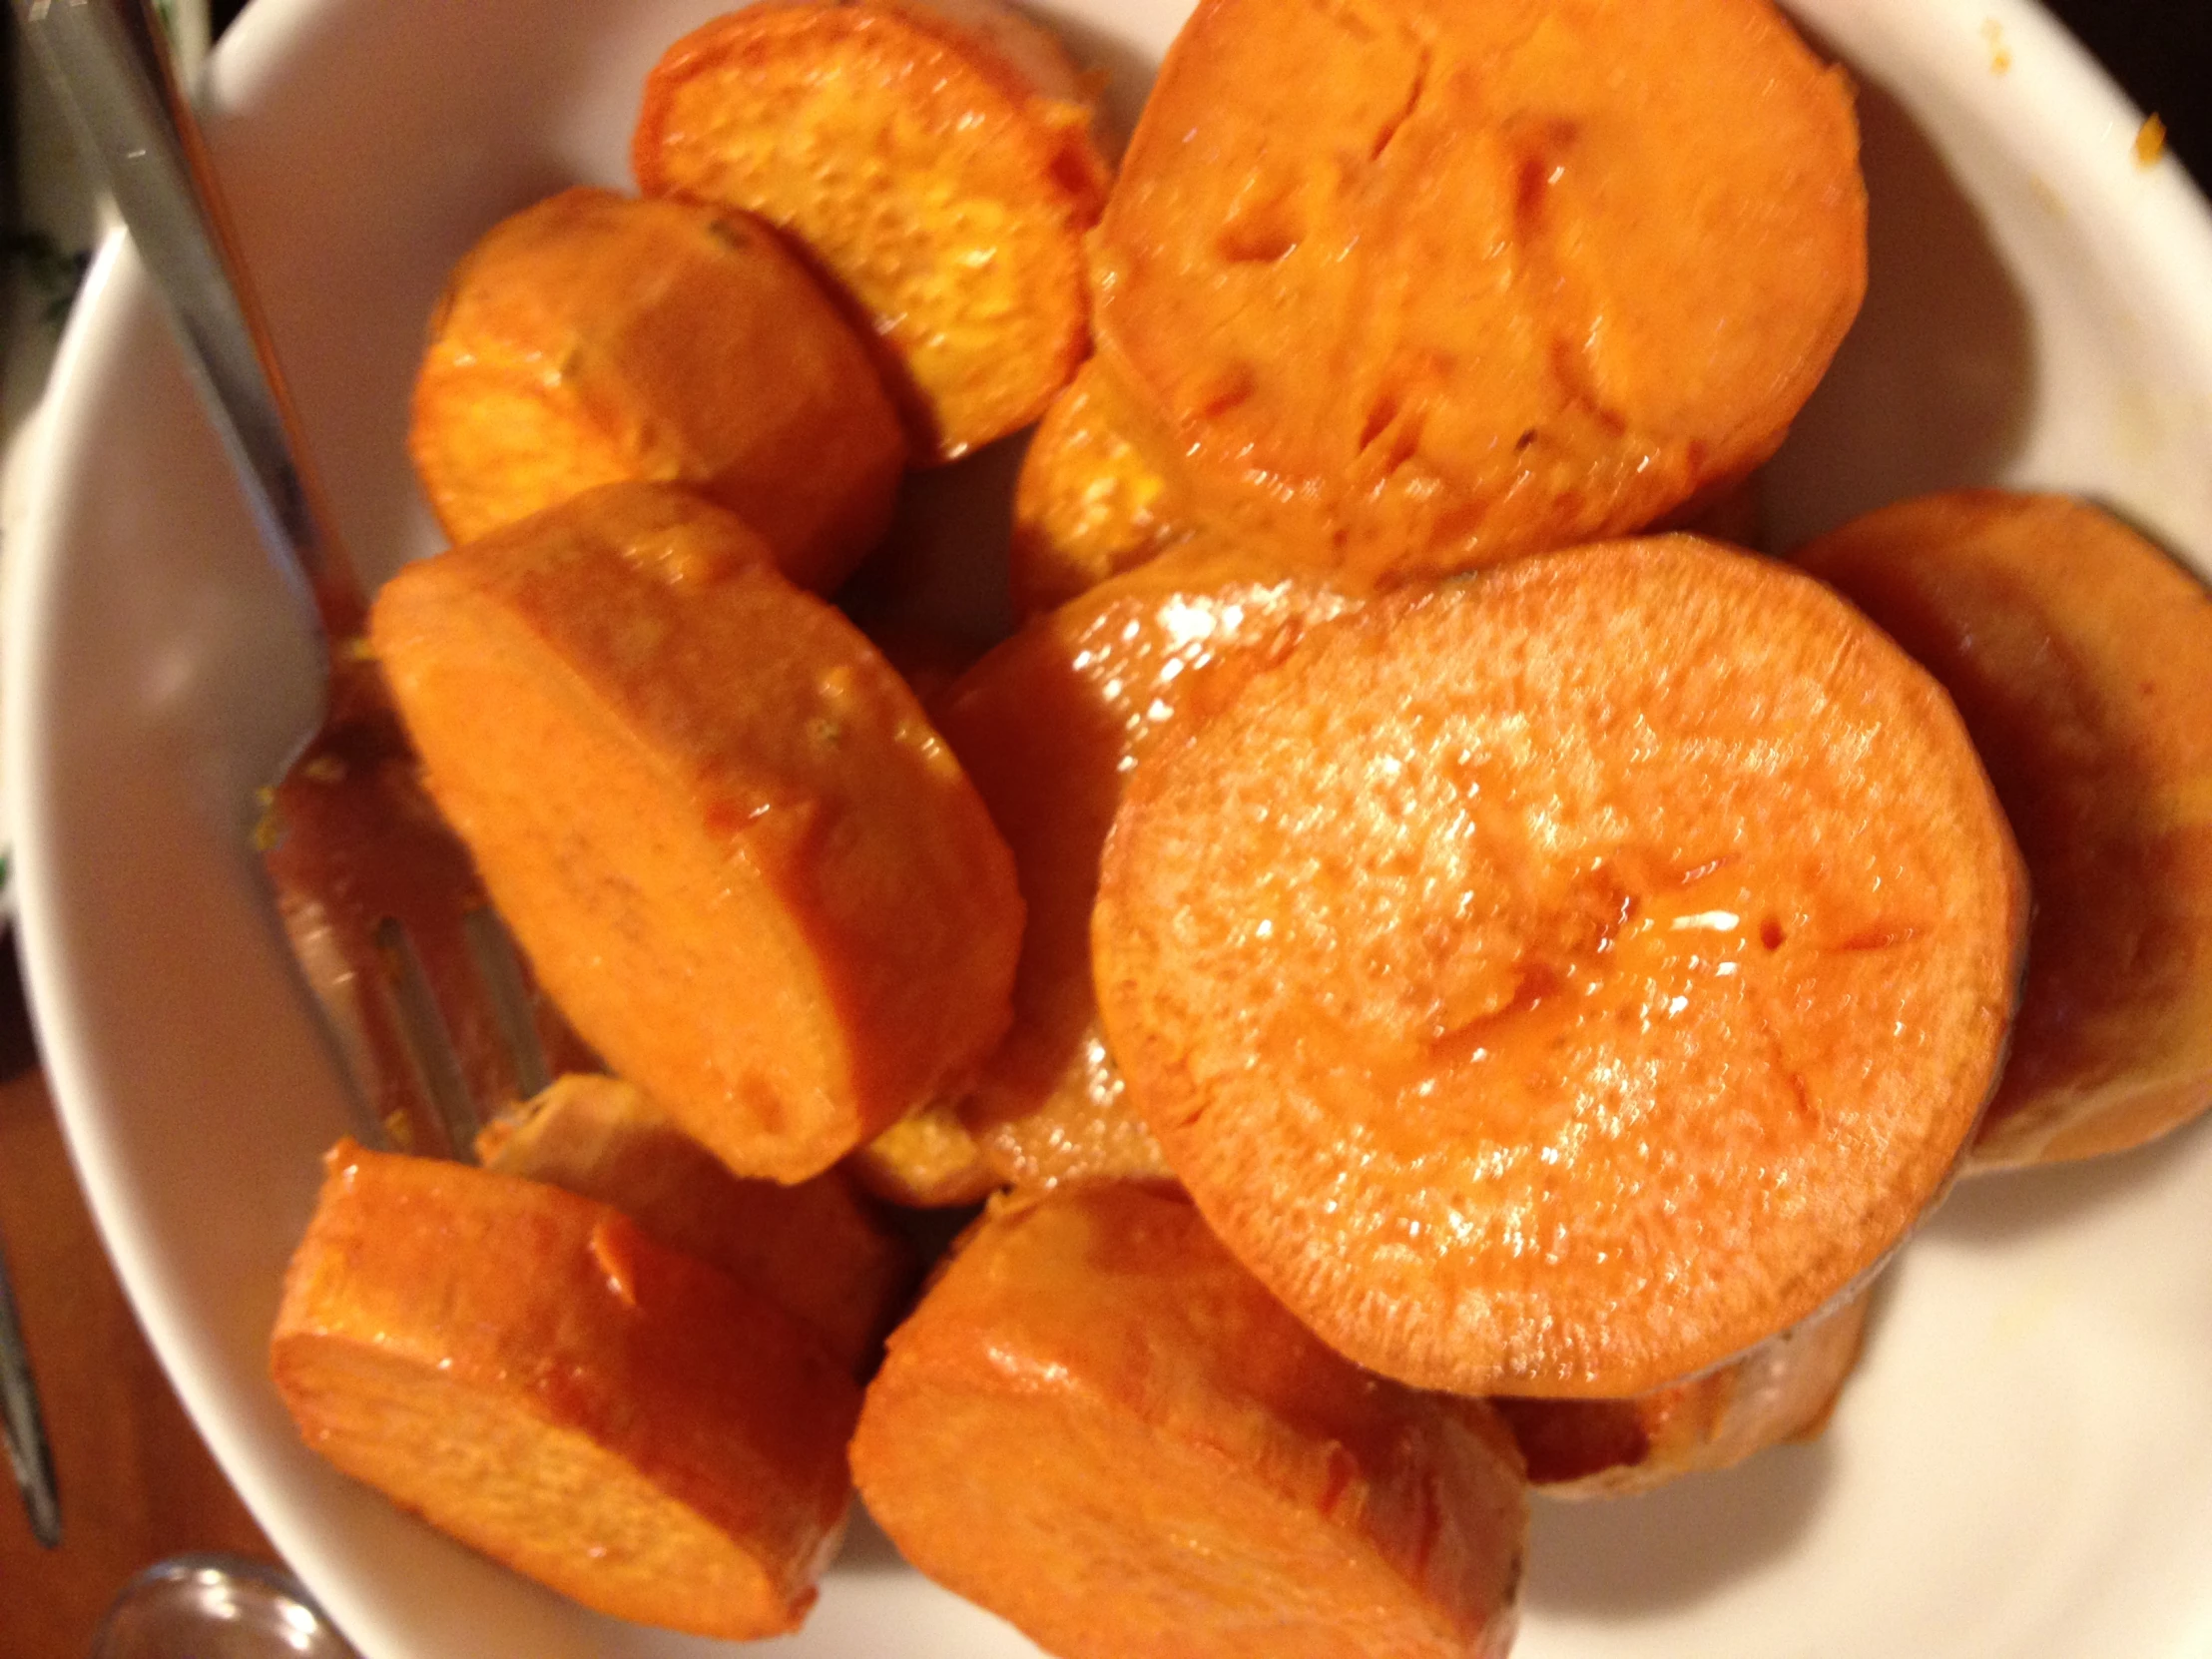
x: 109, y: 63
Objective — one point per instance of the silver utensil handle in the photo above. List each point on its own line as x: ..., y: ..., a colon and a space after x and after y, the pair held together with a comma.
x: 110, y: 65
x: 22, y: 1427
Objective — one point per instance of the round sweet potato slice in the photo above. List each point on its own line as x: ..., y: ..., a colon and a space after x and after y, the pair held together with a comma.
x: 816, y: 1249
x: 2079, y: 655
x: 1425, y: 284
x: 928, y: 1160
x: 941, y: 173
x: 1784, y: 1389
x: 1556, y: 982
x: 720, y: 826
x: 1102, y: 1428
x: 593, y: 339
x: 1047, y: 727
x: 531, y: 1373
x: 1097, y: 495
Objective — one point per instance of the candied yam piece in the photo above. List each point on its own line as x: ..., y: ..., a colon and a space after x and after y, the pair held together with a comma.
x: 593, y: 339
x: 928, y: 1160
x: 1421, y: 284
x: 939, y: 171
x: 814, y: 1249
x: 2079, y: 655
x: 1784, y: 1389
x: 1102, y: 1428
x: 1554, y: 983
x: 532, y: 1372
x: 1097, y: 494
x: 1048, y: 725
x: 720, y: 826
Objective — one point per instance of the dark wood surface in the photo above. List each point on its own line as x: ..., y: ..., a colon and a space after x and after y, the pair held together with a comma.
x: 137, y: 1484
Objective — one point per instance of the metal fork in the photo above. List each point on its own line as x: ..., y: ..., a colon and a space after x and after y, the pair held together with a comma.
x: 428, y: 1006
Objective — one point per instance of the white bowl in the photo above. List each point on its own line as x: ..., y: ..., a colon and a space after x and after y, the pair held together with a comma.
x: 2025, y: 1466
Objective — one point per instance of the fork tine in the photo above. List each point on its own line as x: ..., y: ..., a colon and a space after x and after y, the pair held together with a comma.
x: 432, y: 1009
x: 500, y: 969
x: 428, y: 1038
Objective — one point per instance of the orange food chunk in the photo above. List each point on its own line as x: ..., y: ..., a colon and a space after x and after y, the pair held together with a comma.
x: 928, y: 1160
x: 1102, y: 1428
x: 1783, y: 1390
x: 530, y: 1373
x: 1557, y: 983
x: 1048, y: 725
x: 720, y: 826
x: 2079, y: 655
x: 1420, y: 284
x: 941, y: 171
x: 592, y: 338
x: 815, y: 1248
x: 1097, y: 494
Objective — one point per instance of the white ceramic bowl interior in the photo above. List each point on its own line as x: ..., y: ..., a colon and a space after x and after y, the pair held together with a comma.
x: 2023, y: 1467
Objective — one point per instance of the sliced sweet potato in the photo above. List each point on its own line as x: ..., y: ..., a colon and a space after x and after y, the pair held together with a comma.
x: 592, y: 338
x: 1556, y: 982
x: 941, y: 171
x: 1048, y: 725
x: 720, y: 826
x: 532, y: 1373
x: 814, y: 1249
x: 1783, y: 1390
x: 2079, y: 655
x: 1097, y: 494
x: 1102, y: 1428
x: 928, y: 1160
x: 1421, y: 284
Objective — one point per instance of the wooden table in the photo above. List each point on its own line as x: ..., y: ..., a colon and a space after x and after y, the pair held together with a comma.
x: 136, y: 1482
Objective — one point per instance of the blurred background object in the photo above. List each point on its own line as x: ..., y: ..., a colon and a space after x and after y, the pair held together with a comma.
x: 216, y: 1607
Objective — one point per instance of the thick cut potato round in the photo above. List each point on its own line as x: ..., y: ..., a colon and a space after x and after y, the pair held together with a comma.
x: 1556, y: 982
x: 816, y: 1249
x: 2081, y: 659
x: 1102, y: 1428
x: 940, y: 173
x: 1420, y: 284
x: 1784, y: 1389
x: 1048, y: 727
x: 1097, y: 495
x: 592, y: 338
x: 532, y: 1373
x: 721, y: 827
x: 928, y: 1160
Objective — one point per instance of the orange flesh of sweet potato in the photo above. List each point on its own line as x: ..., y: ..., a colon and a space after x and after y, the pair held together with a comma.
x: 1102, y: 1428
x: 1048, y: 727
x: 592, y: 338
x: 927, y: 172
x: 1097, y: 495
x: 1783, y: 1390
x: 812, y: 1249
x: 721, y: 827
x: 1557, y: 983
x: 2079, y: 655
x: 1425, y: 283
x: 533, y: 1374
x: 928, y: 1160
